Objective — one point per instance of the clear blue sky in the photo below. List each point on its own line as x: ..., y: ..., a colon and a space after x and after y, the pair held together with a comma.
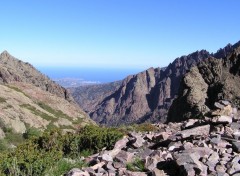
x: 115, y: 33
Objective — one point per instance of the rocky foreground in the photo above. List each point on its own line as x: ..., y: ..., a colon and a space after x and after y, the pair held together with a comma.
x: 206, y: 146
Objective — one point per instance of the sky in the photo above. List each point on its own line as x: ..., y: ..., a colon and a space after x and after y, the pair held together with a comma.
x: 135, y: 34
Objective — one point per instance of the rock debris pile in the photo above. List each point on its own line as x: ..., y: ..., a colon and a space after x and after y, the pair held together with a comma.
x: 206, y: 146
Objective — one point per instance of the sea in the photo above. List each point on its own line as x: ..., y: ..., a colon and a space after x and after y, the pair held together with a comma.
x: 99, y: 75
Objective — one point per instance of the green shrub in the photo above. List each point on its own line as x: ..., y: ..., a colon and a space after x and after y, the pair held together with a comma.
x: 95, y: 138
x: 3, y: 145
x: 42, y: 154
x: 63, y: 166
x: 28, y: 159
x: 32, y: 133
x: 2, y: 100
x: 136, y: 165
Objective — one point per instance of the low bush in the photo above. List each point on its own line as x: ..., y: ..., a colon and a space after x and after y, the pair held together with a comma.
x: 136, y: 165
x: 45, y: 153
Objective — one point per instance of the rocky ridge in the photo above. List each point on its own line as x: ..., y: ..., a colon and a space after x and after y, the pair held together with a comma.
x: 147, y: 96
x: 14, y: 70
x: 28, y: 99
x: 210, y: 81
x: 208, y: 146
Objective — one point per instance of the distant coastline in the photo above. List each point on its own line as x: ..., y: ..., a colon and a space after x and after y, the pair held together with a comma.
x: 98, y: 75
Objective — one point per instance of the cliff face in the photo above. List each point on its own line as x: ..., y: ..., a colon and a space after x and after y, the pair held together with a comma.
x: 208, y: 82
x: 147, y: 96
x: 14, y: 70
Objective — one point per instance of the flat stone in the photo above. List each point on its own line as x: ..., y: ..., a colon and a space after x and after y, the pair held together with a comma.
x: 130, y: 173
x: 190, y: 162
x: 222, y: 119
x: 189, y: 123
x: 112, y: 173
x: 220, y: 169
x: 118, y: 165
x: 77, y: 172
x: 110, y: 166
x: 122, y: 143
x: 151, y: 162
x: 235, y: 166
x: 197, y: 131
x: 138, y: 142
x: 157, y: 172
x: 161, y: 136
x: 107, y: 157
x: 219, y: 105
x: 225, y: 102
x: 124, y: 157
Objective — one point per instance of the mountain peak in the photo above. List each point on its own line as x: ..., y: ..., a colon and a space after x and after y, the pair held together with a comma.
x: 5, y: 53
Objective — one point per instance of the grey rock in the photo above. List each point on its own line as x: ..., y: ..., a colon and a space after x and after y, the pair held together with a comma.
x: 219, y: 105
x: 221, y: 169
x: 222, y: 119
x: 122, y: 143
x: 124, y: 157
x: 197, y: 131
x: 107, y: 157
x: 118, y: 165
x: 77, y: 172
x: 235, y: 165
x: 110, y: 166
x: 130, y: 173
x: 157, y: 172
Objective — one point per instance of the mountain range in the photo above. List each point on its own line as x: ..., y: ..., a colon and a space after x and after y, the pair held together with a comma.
x: 146, y: 96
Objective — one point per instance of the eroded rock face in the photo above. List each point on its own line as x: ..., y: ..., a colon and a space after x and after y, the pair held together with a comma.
x: 210, y: 81
x: 147, y: 96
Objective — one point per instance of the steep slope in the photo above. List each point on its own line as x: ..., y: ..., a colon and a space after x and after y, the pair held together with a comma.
x: 148, y: 95
x: 88, y: 96
x: 14, y: 70
x: 208, y: 82
x: 30, y: 99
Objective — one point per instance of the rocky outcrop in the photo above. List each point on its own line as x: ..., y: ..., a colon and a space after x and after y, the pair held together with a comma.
x: 147, y: 96
x: 193, y: 147
x: 210, y: 81
x: 14, y: 70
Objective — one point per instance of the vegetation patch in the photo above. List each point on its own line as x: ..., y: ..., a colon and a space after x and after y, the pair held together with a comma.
x: 137, y: 165
x: 18, y: 90
x: 37, y: 112
x: 2, y: 100
x: 65, y: 165
x: 8, y: 106
x: 56, y: 113
x: 44, y: 154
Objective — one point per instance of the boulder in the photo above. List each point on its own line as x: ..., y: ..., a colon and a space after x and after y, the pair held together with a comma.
x: 197, y: 131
